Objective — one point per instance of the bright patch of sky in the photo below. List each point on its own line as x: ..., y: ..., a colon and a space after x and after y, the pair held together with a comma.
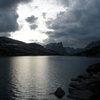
x: 43, y: 10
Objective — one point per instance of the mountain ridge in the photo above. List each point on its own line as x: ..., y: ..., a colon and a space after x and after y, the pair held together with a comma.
x: 11, y: 47
x: 92, y: 50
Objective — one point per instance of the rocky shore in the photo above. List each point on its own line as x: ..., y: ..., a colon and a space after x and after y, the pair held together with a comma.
x: 86, y: 87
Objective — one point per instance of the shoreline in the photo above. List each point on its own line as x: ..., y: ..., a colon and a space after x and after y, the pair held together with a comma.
x: 87, y: 86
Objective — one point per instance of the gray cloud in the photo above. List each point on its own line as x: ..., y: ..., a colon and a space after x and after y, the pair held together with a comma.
x: 33, y: 26
x: 11, y: 3
x: 9, y: 16
x: 31, y: 19
x: 78, y: 25
x: 64, y: 2
x: 32, y: 22
x: 5, y: 34
x: 44, y: 15
x: 8, y: 21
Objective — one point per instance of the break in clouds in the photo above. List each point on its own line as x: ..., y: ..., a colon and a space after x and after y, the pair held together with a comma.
x: 78, y: 25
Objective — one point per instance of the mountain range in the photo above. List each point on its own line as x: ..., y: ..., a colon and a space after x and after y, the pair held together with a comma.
x: 92, y: 49
x: 11, y: 47
x: 59, y: 48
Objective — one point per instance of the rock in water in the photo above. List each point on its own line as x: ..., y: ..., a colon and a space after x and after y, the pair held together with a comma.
x: 59, y: 92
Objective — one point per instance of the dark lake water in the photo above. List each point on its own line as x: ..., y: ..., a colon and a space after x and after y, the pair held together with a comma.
x: 34, y: 78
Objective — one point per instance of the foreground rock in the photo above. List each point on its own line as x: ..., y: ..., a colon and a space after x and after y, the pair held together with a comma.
x: 86, y: 87
x: 94, y: 68
x: 59, y: 92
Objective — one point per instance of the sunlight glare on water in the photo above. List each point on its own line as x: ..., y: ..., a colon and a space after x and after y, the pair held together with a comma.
x: 36, y: 77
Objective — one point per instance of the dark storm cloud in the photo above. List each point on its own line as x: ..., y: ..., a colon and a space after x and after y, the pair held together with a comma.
x: 11, y: 3
x: 33, y: 26
x: 8, y: 15
x: 78, y: 25
x: 64, y: 2
x: 5, y: 34
x: 8, y: 21
x: 32, y: 22
x: 31, y: 19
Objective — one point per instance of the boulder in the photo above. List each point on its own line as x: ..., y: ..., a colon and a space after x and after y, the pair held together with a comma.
x: 59, y: 92
x: 94, y: 68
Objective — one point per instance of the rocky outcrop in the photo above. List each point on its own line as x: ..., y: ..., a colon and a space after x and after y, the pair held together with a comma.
x: 59, y: 92
x: 57, y: 47
x: 86, y: 87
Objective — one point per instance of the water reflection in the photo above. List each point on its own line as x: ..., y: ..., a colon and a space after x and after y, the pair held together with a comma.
x: 34, y: 78
x: 29, y: 77
x: 5, y: 87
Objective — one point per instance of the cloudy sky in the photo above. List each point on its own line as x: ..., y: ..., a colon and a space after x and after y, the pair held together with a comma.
x: 74, y: 22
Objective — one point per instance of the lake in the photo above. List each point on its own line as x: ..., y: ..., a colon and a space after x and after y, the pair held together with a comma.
x: 36, y: 77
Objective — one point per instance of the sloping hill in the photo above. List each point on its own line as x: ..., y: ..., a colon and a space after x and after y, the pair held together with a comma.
x: 11, y: 47
x: 94, y: 51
